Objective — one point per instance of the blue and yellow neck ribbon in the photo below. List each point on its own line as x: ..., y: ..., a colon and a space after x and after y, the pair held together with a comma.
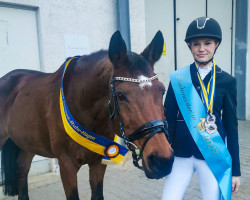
x: 88, y: 139
x: 209, y: 92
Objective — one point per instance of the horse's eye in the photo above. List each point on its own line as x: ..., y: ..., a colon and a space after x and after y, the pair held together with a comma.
x: 121, y: 96
x: 163, y: 92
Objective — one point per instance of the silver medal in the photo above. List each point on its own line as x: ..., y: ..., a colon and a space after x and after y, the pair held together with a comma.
x: 211, y: 128
x: 210, y: 119
x: 210, y: 125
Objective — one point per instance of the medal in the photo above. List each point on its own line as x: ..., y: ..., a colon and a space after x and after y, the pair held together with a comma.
x: 207, y: 95
x: 210, y: 125
x: 211, y: 128
x: 210, y: 119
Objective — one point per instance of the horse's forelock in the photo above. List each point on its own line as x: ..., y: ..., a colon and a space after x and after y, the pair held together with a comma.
x: 137, y: 63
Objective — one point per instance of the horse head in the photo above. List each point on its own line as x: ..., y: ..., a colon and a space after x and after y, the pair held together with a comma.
x: 137, y: 97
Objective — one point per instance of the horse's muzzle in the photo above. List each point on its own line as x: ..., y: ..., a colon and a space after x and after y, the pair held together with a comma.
x: 159, y: 167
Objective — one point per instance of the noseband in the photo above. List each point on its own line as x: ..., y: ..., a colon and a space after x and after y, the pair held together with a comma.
x: 150, y: 128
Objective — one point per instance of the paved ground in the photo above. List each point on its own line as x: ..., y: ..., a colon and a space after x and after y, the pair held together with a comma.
x: 129, y: 183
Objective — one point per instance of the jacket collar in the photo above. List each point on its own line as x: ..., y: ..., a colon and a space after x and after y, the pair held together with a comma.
x: 193, y: 71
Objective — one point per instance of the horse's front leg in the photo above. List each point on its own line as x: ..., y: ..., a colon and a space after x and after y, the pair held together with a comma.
x: 96, y: 175
x: 68, y: 172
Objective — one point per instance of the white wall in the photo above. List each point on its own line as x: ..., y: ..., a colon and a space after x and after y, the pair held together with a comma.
x: 137, y: 25
x: 95, y: 19
x: 23, y: 47
x: 222, y: 12
x: 248, y: 68
x: 159, y: 16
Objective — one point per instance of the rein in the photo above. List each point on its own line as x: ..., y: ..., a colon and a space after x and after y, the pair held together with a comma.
x: 150, y: 128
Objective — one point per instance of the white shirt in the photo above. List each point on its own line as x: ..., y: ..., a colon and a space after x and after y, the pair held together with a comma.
x: 204, y: 71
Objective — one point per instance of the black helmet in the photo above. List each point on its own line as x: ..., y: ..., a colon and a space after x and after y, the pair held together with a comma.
x: 204, y: 27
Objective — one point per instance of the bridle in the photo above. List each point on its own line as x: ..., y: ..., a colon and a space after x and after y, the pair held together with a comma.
x: 150, y: 128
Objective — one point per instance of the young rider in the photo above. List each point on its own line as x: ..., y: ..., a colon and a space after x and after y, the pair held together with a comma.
x: 201, y: 112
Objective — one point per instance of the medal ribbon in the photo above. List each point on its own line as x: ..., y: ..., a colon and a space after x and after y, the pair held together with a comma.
x: 208, y: 93
x: 92, y: 141
x: 211, y: 146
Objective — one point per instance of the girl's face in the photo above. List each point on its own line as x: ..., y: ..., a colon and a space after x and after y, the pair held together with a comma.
x: 203, y: 48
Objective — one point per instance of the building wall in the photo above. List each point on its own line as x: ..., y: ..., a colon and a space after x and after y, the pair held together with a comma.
x: 21, y: 45
x: 94, y: 19
x: 137, y: 25
x: 248, y: 69
x: 159, y: 16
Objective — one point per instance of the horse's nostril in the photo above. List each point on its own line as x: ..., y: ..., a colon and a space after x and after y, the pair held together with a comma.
x: 153, y: 160
x: 160, y: 166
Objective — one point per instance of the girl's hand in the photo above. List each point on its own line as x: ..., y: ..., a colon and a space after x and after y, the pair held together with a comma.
x: 235, y: 184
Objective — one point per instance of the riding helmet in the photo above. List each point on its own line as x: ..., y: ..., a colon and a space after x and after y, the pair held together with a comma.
x: 204, y: 27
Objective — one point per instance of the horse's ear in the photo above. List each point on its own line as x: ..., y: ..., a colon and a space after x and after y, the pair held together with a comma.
x: 154, y: 50
x: 117, y: 49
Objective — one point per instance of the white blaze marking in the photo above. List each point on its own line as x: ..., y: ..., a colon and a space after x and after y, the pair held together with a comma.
x: 148, y: 83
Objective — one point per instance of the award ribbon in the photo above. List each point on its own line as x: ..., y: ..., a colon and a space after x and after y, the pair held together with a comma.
x: 208, y: 94
x: 92, y: 141
x: 211, y: 146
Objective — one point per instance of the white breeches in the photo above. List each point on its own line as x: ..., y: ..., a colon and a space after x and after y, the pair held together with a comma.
x: 183, y: 169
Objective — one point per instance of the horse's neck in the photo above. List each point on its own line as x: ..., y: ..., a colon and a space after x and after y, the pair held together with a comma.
x: 87, y: 94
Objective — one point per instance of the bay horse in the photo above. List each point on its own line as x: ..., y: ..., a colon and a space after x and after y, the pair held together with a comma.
x: 31, y: 122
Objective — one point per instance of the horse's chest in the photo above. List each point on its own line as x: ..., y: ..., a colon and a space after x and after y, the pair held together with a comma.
x: 80, y: 155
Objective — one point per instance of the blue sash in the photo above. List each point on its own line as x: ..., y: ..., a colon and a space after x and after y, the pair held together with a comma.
x: 211, y: 146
